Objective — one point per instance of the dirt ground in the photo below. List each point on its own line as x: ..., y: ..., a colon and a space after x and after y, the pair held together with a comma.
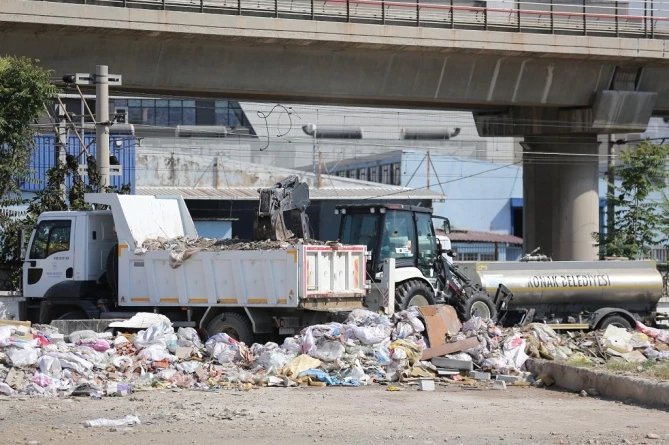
x: 335, y: 415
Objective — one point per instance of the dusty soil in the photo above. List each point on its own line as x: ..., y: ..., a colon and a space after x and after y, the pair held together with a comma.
x: 335, y: 415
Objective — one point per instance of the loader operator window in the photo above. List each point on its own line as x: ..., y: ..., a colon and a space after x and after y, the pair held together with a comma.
x: 360, y: 229
x: 50, y: 237
x: 399, y: 236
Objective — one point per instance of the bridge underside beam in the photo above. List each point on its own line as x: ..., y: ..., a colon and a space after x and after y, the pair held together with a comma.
x: 184, y: 65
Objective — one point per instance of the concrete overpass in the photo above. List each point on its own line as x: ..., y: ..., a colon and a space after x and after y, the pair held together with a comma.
x: 529, y: 73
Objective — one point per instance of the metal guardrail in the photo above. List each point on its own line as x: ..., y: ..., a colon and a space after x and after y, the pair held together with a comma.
x: 650, y: 18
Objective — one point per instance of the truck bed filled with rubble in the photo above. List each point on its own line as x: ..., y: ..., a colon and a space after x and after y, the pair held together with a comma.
x: 409, y: 347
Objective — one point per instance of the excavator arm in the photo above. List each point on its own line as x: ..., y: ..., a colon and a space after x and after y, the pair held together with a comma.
x: 287, y: 195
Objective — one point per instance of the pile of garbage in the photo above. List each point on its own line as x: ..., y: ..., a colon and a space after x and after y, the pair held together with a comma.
x: 182, y: 248
x: 366, y: 347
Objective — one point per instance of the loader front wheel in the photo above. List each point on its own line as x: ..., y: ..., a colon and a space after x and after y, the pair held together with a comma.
x: 413, y: 293
x: 478, y: 305
x: 235, y: 325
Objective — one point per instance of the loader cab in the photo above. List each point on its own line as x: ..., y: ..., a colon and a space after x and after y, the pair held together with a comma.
x: 403, y: 232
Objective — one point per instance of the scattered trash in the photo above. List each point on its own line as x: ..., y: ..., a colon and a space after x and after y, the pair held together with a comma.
x: 426, y: 384
x: 128, y: 420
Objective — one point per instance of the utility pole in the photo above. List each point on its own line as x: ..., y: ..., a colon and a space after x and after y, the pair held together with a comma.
x: 102, y: 126
x: 610, y: 188
x: 102, y: 79
x: 61, y: 140
x: 429, y: 162
x: 320, y: 169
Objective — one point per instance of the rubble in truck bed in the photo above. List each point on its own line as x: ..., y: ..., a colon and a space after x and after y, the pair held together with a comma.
x: 405, y: 349
x: 183, y: 248
x: 214, y: 244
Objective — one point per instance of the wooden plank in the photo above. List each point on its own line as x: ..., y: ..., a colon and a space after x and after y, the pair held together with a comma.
x: 14, y: 323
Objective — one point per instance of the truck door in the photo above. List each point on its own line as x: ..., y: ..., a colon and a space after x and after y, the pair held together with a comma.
x: 50, y: 258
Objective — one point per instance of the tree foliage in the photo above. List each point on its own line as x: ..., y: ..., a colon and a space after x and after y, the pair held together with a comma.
x: 24, y: 89
x: 639, y: 223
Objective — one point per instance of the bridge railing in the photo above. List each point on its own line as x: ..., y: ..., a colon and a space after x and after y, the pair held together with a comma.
x: 642, y: 19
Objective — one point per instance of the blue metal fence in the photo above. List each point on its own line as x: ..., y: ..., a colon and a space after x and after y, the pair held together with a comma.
x: 44, y: 158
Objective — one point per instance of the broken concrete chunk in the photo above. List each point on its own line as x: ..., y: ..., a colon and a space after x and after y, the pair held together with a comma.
x: 546, y: 380
x: 499, y: 384
x: 477, y: 375
x: 508, y: 378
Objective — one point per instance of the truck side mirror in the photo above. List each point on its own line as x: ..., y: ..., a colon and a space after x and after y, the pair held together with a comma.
x: 446, y: 226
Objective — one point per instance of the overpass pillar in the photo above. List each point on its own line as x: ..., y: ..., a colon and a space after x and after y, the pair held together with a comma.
x: 561, y: 196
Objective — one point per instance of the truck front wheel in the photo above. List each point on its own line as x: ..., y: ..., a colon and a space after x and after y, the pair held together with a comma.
x: 413, y: 293
x: 235, y: 325
x: 616, y: 320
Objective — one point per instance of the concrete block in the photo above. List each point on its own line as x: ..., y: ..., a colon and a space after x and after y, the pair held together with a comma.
x: 426, y: 385
x: 69, y: 326
x: 57, y: 338
x: 451, y: 363
x: 499, y: 384
x: 476, y: 375
x: 508, y: 378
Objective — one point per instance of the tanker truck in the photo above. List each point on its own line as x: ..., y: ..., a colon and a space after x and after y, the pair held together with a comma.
x: 572, y: 294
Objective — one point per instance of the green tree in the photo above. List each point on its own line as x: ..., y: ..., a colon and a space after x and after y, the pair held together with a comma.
x: 24, y: 89
x: 639, y: 223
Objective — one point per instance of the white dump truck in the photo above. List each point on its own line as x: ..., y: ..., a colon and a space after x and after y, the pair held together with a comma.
x: 90, y: 264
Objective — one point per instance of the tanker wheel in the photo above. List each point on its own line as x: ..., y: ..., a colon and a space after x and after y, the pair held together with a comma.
x: 413, y: 293
x: 478, y: 305
x: 615, y: 320
x: 235, y: 325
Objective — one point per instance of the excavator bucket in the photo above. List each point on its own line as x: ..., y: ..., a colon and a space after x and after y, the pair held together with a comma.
x: 287, y: 195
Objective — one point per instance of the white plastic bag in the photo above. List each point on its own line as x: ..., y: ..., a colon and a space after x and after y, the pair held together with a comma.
x: 155, y: 352
x: 328, y: 352
x: 371, y: 335
x: 72, y: 361
x: 188, y: 337
x: 276, y: 358
x: 50, y: 366
x: 293, y: 345
x: 86, y: 336
x: 127, y: 420
x: 157, y: 334
x: 23, y: 356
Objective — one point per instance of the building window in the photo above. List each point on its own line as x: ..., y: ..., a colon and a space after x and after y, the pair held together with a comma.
x: 362, y: 174
x: 352, y: 174
x: 373, y: 174
x: 385, y: 174
x: 341, y: 173
x: 397, y: 173
x: 159, y: 112
x: 486, y: 257
x: 469, y: 256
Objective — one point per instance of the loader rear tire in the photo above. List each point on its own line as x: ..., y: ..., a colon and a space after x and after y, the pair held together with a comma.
x: 235, y: 325
x: 478, y: 305
x: 413, y: 293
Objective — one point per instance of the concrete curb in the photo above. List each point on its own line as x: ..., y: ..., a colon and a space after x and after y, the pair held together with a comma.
x: 616, y: 387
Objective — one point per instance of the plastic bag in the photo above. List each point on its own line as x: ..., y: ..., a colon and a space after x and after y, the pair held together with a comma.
x: 188, y: 337
x: 86, y: 336
x: 50, y: 366
x: 127, y: 420
x: 371, y: 335
x: 382, y: 353
x: 188, y: 367
x: 157, y: 334
x: 6, y: 389
x: 413, y: 352
x: 658, y: 334
x: 222, y: 338
x: 363, y: 317
x: 329, y: 351
x: 653, y: 354
x: 404, y: 329
x: 74, y: 362
x: 293, y: 345
x: 23, y: 356
x: 322, y: 376
x: 42, y: 380
x: 122, y: 363
x: 98, y: 345
x: 155, y: 352
x: 277, y: 359
x: 514, y: 350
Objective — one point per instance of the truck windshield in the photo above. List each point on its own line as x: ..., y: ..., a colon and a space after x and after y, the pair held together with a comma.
x: 360, y: 228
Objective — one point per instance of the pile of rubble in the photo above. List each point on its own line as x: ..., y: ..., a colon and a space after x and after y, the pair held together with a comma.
x: 183, y: 248
x: 412, y: 346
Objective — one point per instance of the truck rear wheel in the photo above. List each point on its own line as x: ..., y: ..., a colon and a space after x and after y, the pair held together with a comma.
x: 235, y: 325
x: 413, y: 293
x: 478, y: 304
x: 616, y: 320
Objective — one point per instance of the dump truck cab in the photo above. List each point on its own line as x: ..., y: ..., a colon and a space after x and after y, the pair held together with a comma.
x: 405, y: 233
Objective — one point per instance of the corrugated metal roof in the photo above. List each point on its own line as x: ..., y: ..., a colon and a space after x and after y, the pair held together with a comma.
x: 323, y: 193
x: 481, y: 237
